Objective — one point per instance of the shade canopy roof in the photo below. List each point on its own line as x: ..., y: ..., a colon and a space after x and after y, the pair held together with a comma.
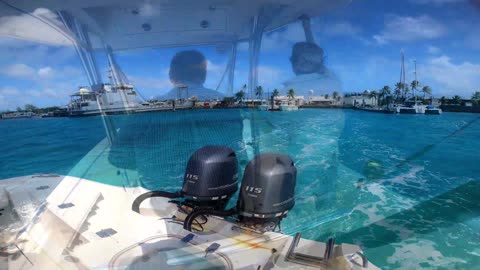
x: 125, y: 24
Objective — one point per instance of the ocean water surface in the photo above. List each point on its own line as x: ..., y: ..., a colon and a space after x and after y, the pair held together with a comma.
x: 404, y: 187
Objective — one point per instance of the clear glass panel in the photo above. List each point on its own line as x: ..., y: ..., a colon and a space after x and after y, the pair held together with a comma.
x: 374, y: 102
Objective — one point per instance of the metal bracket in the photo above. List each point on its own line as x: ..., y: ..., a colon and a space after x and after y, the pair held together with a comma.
x: 305, y: 259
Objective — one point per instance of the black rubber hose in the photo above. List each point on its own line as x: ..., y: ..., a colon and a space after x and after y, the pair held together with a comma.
x: 187, y: 224
x: 136, y: 203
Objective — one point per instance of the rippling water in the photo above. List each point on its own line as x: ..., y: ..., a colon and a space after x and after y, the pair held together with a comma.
x: 404, y: 187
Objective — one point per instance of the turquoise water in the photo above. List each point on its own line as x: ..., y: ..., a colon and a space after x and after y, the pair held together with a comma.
x: 404, y: 187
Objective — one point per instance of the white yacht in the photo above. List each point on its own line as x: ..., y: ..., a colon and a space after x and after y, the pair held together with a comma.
x: 53, y: 221
x: 288, y: 107
x: 431, y: 109
x: 263, y: 106
x: 109, y: 100
x: 416, y: 108
x: 413, y: 107
x: 14, y: 115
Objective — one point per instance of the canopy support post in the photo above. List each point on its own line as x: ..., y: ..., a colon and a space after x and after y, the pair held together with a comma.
x: 231, y: 71
x: 89, y: 64
x: 259, y: 22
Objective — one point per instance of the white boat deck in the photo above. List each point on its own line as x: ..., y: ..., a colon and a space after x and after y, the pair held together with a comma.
x: 64, y: 222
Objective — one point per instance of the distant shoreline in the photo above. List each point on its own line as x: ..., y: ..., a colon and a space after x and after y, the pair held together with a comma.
x: 445, y: 108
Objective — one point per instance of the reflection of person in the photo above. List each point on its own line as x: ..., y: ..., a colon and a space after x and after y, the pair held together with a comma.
x: 311, y: 74
x: 309, y: 67
x: 188, y: 71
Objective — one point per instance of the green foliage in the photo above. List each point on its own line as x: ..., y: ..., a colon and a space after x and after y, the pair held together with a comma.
x: 259, y: 91
x: 30, y: 108
x: 335, y: 94
x: 275, y: 93
x: 457, y: 100
x: 426, y: 91
x: 414, y: 84
x: 240, y: 95
x: 291, y: 93
x: 476, y: 97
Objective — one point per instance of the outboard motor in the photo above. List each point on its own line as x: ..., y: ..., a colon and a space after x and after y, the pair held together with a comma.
x: 267, y: 194
x: 268, y: 190
x: 211, y: 178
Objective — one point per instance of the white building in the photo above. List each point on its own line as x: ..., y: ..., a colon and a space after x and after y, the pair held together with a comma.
x: 359, y: 101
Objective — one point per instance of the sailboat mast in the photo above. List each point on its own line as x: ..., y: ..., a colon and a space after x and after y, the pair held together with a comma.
x: 402, y: 73
x: 415, y: 88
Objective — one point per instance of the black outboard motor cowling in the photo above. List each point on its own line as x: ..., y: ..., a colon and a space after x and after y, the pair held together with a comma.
x: 268, y: 189
x: 267, y: 193
x: 211, y: 178
x: 211, y: 174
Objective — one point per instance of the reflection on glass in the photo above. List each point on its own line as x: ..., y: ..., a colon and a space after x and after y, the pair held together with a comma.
x: 308, y: 64
x: 188, y: 71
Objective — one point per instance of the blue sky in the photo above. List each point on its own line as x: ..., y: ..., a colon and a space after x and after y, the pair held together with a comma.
x: 362, y: 42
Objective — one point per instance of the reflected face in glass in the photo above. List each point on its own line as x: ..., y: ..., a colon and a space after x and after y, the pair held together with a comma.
x: 188, y: 67
x: 307, y: 58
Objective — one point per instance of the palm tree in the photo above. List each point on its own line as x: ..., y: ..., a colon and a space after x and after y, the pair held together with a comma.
x: 397, y: 93
x: 335, y: 94
x: 240, y: 95
x: 326, y: 96
x: 291, y: 93
x: 398, y: 89
x: 373, y: 94
x: 244, y: 89
x: 426, y: 90
x: 476, y: 97
x: 259, y: 91
x: 406, y: 90
x: 385, y: 91
x: 443, y: 100
x: 457, y: 100
x: 414, y: 86
x: 275, y: 93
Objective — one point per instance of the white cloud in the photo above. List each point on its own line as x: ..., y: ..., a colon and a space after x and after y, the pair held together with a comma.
x: 151, y: 83
x: 11, y: 98
x: 433, y: 49
x: 46, y: 93
x: 27, y: 27
x: 44, y: 86
x: 45, y: 72
x: 407, y: 29
x: 451, y: 78
x: 270, y: 76
x: 283, y: 38
x: 151, y: 86
x: 9, y: 91
x: 20, y: 71
x: 342, y: 28
x: 25, y: 72
x: 472, y: 40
